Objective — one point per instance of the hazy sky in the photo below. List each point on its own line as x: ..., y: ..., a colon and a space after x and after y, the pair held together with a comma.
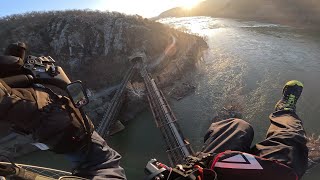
x: 146, y: 8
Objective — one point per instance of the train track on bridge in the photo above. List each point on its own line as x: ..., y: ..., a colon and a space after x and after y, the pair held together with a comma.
x: 178, y: 148
x: 109, y: 117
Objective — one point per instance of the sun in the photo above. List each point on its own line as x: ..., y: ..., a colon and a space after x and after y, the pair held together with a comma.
x: 190, y: 4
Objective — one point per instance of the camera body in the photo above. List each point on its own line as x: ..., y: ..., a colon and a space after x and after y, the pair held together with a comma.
x: 19, y: 74
x: 44, y: 71
x: 155, y: 170
x: 18, y: 71
x: 191, y: 170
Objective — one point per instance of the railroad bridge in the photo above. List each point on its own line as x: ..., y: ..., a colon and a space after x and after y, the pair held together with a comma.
x: 177, y: 146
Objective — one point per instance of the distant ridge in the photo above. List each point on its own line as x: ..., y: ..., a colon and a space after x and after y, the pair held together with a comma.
x: 289, y: 12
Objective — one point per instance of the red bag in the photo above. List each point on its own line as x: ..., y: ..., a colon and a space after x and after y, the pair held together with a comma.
x: 231, y: 165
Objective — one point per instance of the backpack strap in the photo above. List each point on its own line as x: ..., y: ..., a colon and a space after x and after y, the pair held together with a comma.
x: 73, y: 133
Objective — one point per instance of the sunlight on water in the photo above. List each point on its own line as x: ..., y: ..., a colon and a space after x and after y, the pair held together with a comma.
x: 248, y: 63
x: 196, y: 25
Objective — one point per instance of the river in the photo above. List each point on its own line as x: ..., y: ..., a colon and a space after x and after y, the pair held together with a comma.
x: 247, y: 63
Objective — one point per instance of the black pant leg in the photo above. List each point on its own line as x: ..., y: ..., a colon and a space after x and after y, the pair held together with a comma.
x: 285, y: 142
x: 230, y: 134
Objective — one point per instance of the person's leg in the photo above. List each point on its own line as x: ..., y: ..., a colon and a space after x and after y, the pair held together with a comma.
x: 286, y: 138
x: 230, y: 134
x: 285, y: 142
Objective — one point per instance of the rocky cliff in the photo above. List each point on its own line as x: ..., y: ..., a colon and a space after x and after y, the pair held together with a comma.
x: 92, y: 46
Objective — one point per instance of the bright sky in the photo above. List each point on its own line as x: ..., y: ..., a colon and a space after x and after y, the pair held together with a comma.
x: 146, y: 8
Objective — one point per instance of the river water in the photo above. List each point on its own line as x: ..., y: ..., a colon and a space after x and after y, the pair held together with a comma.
x: 247, y: 63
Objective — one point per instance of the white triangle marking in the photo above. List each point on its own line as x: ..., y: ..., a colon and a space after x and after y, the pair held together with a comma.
x: 254, y: 164
x: 41, y: 146
x: 236, y: 158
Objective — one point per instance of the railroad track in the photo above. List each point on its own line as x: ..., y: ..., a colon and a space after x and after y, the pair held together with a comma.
x: 109, y: 117
x: 176, y: 145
